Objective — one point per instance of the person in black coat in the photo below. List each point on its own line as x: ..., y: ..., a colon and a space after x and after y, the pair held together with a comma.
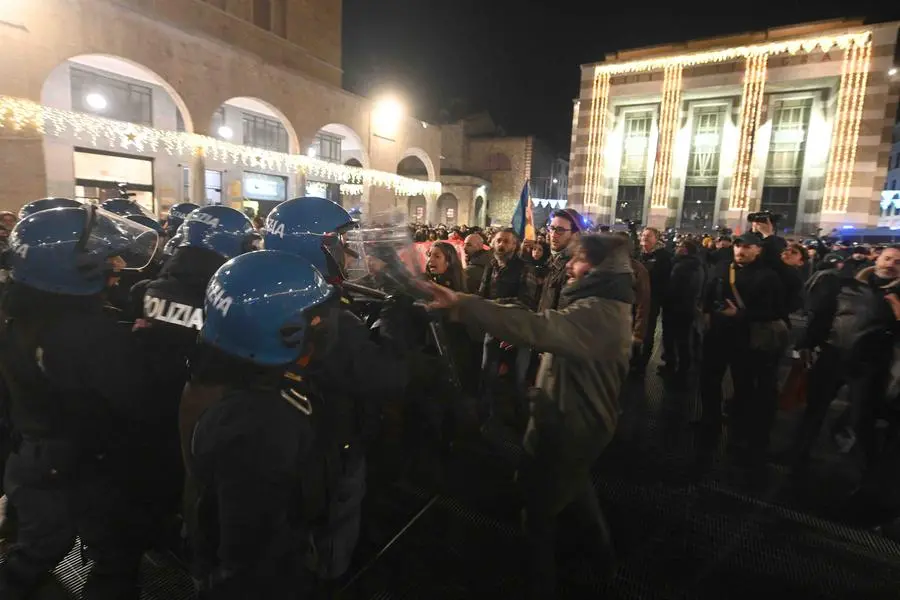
x: 740, y: 295
x: 658, y: 262
x: 680, y: 308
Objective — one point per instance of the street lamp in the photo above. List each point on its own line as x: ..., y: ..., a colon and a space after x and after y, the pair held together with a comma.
x: 225, y: 132
x: 892, y: 71
x: 96, y: 101
x: 386, y: 116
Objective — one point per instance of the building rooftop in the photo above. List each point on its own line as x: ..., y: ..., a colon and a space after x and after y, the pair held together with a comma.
x: 621, y: 60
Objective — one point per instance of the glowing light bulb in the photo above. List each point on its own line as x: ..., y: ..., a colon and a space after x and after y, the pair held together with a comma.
x: 225, y: 132
x: 96, y: 101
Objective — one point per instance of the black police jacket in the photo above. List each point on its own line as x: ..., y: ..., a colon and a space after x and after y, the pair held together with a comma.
x: 72, y: 373
x: 172, y: 315
x: 246, y: 453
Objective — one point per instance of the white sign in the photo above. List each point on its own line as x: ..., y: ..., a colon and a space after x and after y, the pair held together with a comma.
x: 316, y: 189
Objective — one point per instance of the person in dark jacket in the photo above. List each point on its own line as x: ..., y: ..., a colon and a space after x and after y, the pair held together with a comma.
x: 740, y: 296
x: 680, y: 309
x: 658, y: 262
x: 586, y: 346
x: 565, y: 226
x: 509, y: 280
x: 80, y: 397
x: 477, y: 259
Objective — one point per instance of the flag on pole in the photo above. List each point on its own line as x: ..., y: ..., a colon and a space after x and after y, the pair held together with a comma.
x: 523, y: 217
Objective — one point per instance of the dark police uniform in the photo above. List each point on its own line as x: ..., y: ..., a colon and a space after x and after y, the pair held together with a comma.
x: 343, y: 387
x: 172, y: 315
x: 79, y: 398
x: 246, y: 453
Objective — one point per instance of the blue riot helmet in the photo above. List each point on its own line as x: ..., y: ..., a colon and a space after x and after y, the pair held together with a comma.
x: 257, y: 306
x: 73, y: 251
x: 124, y: 207
x: 222, y: 229
x: 47, y: 203
x: 173, y: 243
x: 178, y: 213
x: 147, y: 222
x: 313, y: 228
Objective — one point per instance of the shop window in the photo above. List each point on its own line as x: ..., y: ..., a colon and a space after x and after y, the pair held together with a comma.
x: 630, y: 203
x: 782, y: 201
x: 213, y: 185
x: 699, y: 207
x: 111, y: 98
x: 261, y: 132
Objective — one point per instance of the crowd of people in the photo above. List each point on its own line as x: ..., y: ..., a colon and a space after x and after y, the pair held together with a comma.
x: 226, y: 391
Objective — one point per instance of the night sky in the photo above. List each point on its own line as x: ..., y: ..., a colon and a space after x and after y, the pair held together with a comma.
x: 519, y: 59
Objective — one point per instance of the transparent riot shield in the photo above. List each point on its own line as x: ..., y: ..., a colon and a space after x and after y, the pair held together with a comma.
x: 382, y: 255
x: 387, y: 262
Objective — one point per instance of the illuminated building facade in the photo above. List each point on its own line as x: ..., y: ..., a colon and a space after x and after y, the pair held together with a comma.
x: 796, y: 120
x: 235, y: 102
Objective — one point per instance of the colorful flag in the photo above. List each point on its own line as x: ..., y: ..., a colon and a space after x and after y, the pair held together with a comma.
x: 523, y: 217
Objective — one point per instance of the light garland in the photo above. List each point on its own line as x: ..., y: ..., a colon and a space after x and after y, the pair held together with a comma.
x: 20, y: 114
x: 843, y: 42
x: 848, y: 117
x: 751, y: 112
x: 669, y: 117
x: 352, y: 189
x: 596, y: 140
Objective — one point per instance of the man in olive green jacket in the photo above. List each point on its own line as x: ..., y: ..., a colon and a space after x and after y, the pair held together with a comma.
x: 574, y: 409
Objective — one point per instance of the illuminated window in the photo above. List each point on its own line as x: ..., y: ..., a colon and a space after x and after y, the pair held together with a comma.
x: 630, y: 203
x: 634, y: 152
x: 264, y: 133
x: 704, y: 159
x: 790, y: 122
x: 326, y: 146
x: 699, y: 207
x: 112, y: 98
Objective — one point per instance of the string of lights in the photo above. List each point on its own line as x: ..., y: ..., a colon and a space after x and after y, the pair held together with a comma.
x: 596, y: 140
x: 751, y: 112
x: 668, y: 126
x: 845, y: 136
x: 20, y: 114
x: 842, y: 42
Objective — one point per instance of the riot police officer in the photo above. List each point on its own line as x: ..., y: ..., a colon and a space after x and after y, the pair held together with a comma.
x: 45, y: 204
x: 346, y: 378
x: 177, y: 215
x: 79, y: 396
x: 171, y: 309
x: 246, y: 446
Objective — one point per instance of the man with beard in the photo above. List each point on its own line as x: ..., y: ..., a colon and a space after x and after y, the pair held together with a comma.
x: 563, y: 231
x: 574, y: 411
x: 508, y: 280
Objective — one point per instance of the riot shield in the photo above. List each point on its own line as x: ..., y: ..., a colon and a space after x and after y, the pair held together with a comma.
x: 384, y: 260
x: 383, y: 256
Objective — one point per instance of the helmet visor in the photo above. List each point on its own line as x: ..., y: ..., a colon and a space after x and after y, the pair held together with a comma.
x: 131, y: 244
x: 383, y: 247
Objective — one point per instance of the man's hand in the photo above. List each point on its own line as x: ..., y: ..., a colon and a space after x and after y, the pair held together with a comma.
x: 731, y: 311
x: 506, y: 346
x: 442, y: 297
x: 765, y: 228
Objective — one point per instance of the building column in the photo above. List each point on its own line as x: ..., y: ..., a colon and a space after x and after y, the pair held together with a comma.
x: 751, y: 112
x: 198, y: 179
x: 431, y: 209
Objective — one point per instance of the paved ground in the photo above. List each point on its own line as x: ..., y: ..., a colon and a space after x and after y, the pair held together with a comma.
x: 679, y: 537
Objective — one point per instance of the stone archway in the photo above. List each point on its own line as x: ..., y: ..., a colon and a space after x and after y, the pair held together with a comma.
x: 424, y: 159
x: 111, y: 87
x: 448, y: 209
x: 479, y: 212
